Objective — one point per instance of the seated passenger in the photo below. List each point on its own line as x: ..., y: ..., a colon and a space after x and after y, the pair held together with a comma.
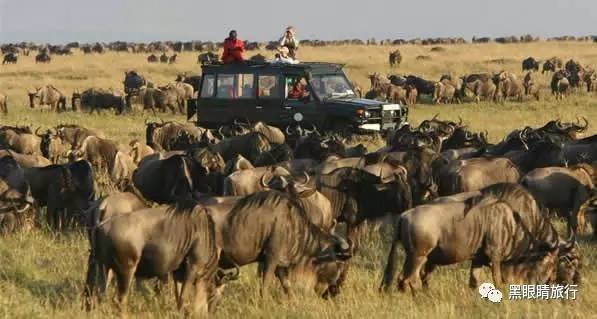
x: 283, y: 57
x: 299, y: 90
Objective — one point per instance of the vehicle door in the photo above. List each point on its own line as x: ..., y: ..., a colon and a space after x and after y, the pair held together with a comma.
x: 269, y: 98
x: 299, y: 102
x: 225, y: 98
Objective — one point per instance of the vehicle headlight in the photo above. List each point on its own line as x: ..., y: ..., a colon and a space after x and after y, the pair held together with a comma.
x: 367, y: 114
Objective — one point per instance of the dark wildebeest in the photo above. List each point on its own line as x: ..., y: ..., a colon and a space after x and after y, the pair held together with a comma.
x: 395, y: 58
x: 501, y: 224
x: 15, y: 194
x: 159, y: 241
x: 551, y: 65
x: 10, y: 58
x: 43, y: 57
x: 152, y: 58
x: 530, y: 64
x: 99, y: 99
x: 175, y: 178
x: 563, y: 190
x: 281, y: 238
x: 423, y: 86
x: 63, y: 187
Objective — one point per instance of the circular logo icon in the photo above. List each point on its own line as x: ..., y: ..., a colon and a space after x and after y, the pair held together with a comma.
x: 298, y: 117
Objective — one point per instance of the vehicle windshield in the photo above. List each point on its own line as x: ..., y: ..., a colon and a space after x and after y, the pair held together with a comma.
x: 331, y: 86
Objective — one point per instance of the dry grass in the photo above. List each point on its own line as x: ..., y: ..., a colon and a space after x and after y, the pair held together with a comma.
x: 41, y: 275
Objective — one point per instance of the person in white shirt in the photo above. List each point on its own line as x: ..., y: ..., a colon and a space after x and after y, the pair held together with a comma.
x: 283, y: 56
x: 290, y: 41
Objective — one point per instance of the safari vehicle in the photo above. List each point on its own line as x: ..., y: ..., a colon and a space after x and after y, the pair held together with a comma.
x: 264, y: 92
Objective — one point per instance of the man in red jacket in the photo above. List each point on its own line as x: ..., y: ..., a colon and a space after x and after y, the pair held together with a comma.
x: 233, y: 49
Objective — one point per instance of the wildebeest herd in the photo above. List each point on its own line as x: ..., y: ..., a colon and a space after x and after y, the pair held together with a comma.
x: 193, y: 205
x: 497, y: 87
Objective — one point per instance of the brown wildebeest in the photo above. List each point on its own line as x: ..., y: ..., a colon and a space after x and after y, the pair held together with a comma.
x: 48, y: 95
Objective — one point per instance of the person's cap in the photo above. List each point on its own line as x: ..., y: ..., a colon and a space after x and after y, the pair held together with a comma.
x: 290, y: 29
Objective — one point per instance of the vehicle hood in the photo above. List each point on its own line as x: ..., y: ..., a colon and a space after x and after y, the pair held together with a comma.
x: 355, y: 103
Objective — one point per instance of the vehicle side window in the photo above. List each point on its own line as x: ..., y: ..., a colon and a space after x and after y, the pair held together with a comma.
x: 226, y: 89
x: 245, y: 86
x: 268, y: 86
x: 207, y: 90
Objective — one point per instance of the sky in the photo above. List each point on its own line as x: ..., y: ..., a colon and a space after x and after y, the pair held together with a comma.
x: 62, y: 21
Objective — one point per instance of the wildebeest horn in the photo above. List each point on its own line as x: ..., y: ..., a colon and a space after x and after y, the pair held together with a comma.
x: 459, y: 121
x: 582, y: 128
x: 36, y: 132
x: 344, y: 248
x: 146, y: 121
x: 435, y: 116
x: 263, y: 181
x: 162, y: 120
x: 522, y: 139
x: 288, y: 130
x: 307, y: 178
x: 468, y: 135
x: 559, y: 124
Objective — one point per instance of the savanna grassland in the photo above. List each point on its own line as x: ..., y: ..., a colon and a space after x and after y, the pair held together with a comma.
x: 41, y: 274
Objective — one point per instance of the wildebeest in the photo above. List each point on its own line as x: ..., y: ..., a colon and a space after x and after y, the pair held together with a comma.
x: 159, y: 241
x: 171, y: 136
x: 43, y: 57
x: 152, y: 58
x: 139, y: 150
x: 48, y: 95
x: 476, y: 173
x: 10, y: 58
x: 508, y: 85
x: 501, y: 224
x: 281, y: 238
x: 3, y: 103
x: 175, y: 178
x: 19, y: 139
x: 250, y: 180
x: 551, y: 65
x: 172, y: 59
x: 26, y: 160
x: 63, y: 187
x: 443, y: 92
x: 560, y: 189
x: 207, y: 58
x: 531, y: 87
x: 98, y: 99
x: 15, y: 198
x: 395, y: 58
x: 530, y: 64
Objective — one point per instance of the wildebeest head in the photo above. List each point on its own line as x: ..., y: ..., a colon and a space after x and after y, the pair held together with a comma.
x: 47, y: 139
x: 207, y: 169
x: 15, y: 194
x: 319, y: 147
x: 150, y: 129
x: 278, y: 153
x: 462, y: 137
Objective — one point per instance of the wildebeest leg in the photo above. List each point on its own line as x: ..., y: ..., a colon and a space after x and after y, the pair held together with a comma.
x: 496, y: 271
x: 52, y: 213
x: 391, y: 267
x: 429, y: 267
x: 282, y: 274
x: 200, y: 302
x: 269, y: 267
x: 412, y: 272
x: 476, y: 267
x: 124, y: 278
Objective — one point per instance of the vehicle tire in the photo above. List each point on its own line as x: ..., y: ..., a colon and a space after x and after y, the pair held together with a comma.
x: 341, y: 127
